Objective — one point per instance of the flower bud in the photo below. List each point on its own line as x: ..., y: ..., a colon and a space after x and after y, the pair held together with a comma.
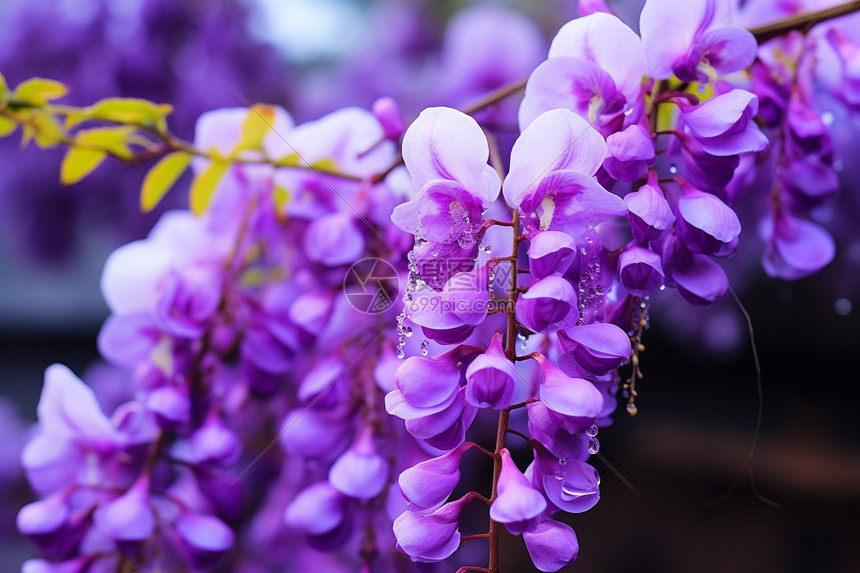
x: 360, y: 472
x: 550, y: 252
x: 517, y: 505
x: 490, y: 378
x: 549, y: 304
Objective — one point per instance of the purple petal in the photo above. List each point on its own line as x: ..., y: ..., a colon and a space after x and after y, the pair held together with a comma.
x: 334, y: 240
x: 558, y: 139
x: 317, y: 509
x: 606, y: 41
x: 426, y: 486
x: 549, y: 304
x: 729, y: 49
x: 630, y: 153
x: 491, y: 378
x: 599, y: 347
x: 360, y: 472
x: 69, y: 409
x: 649, y: 212
x: 552, y: 545
x: 433, y: 537
x: 706, y: 224
x: 640, y: 270
x: 518, y: 504
x: 575, y: 401
x: 550, y: 252
x: 444, y: 143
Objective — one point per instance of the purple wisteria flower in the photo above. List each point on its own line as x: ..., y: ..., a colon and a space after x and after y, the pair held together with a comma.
x: 551, y: 180
x: 446, y: 154
x: 595, y: 68
x: 693, y: 40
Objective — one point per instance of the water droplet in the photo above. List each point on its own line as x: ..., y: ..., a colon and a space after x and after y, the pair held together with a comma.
x: 842, y: 307
x: 627, y: 112
x: 662, y: 287
x: 523, y: 344
x: 424, y: 348
x: 400, y: 353
x: 593, y: 446
x: 583, y: 251
x: 827, y: 117
x: 466, y: 241
x: 673, y: 169
x: 562, y: 461
x: 560, y: 475
x: 701, y: 88
x: 435, y: 253
x: 408, y: 331
x: 592, y: 431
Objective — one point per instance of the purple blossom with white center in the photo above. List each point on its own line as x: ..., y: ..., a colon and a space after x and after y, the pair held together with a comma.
x: 446, y: 154
x: 693, y: 40
x: 551, y: 180
x: 594, y: 68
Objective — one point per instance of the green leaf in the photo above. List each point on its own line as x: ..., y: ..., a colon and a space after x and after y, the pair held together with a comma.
x: 78, y: 163
x: 114, y: 140
x: 47, y: 131
x: 280, y: 197
x: 7, y: 126
x: 4, y: 87
x: 257, y: 124
x: 203, y: 188
x: 161, y: 178
x: 39, y: 91
x: 131, y: 111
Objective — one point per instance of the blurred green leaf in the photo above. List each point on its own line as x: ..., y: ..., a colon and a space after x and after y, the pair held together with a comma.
x: 161, y: 178
x: 44, y: 129
x: 257, y: 124
x: 39, y: 91
x: 114, y: 140
x: 131, y: 111
x: 78, y: 163
x: 7, y: 126
x: 203, y: 188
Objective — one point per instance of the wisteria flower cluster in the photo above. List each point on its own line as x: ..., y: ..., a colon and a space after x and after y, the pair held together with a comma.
x: 315, y: 347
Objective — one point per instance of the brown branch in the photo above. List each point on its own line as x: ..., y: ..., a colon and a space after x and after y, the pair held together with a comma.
x: 802, y: 21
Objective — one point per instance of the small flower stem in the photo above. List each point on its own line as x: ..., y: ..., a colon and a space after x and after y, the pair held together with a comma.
x: 518, y: 433
x: 505, y: 415
x: 495, y: 96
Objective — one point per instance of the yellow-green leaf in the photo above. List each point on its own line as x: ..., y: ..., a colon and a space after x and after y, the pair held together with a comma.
x: 78, y: 163
x: 7, y: 126
x: 161, y: 178
x: 255, y: 127
x: 114, y: 140
x: 131, y: 110
x: 280, y: 196
x: 203, y: 188
x: 4, y: 87
x: 40, y: 91
x: 291, y: 160
x: 47, y: 131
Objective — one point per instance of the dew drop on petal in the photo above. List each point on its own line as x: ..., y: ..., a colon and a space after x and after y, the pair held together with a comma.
x: 593, y: 446
x: 562, y: 461
x: 592, y: 431
x: 673, y: 169
x: 560, y: 475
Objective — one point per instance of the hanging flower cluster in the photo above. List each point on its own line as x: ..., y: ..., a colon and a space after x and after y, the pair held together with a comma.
x: 312, y: 346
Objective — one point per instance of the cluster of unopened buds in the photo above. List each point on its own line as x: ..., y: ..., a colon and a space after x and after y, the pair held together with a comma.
x: 272, y: 318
